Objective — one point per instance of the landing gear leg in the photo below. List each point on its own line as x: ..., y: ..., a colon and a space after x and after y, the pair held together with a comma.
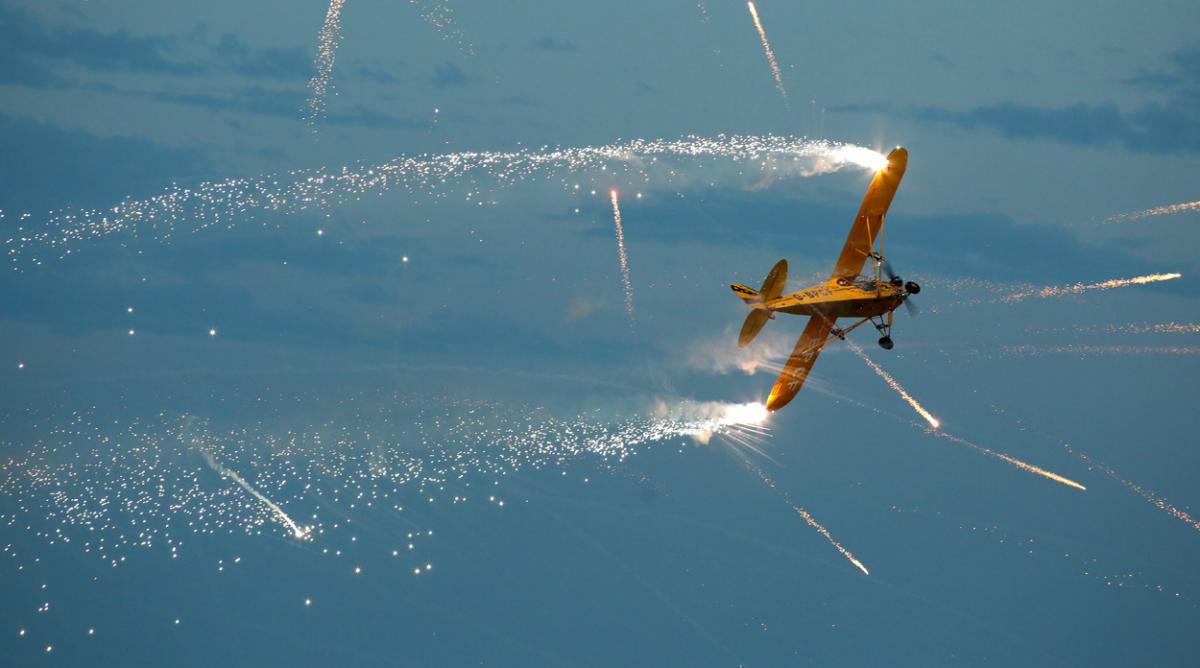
x: 884, y: 327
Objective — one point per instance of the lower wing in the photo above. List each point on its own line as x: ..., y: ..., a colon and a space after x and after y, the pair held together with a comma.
x: 803, y: 356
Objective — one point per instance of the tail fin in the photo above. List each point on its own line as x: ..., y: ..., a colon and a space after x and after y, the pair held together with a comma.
x: 772, y: 288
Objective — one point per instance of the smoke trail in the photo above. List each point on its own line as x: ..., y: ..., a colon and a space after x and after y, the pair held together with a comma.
x: 327, y: 44
x: 621, y: 255
x: 222, y: 202
x: 887, y: 378
x: 762, y: 35
x: 297, y: 531
x: 1076, y: 288
x: 1156, y: 211
x: 808, y: 518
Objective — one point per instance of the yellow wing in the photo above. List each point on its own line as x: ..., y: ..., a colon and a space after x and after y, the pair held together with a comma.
x: 869, y: 222
x: 801, y: 362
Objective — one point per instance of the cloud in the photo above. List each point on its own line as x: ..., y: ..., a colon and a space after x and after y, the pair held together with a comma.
x: 33, y: 48
x: 1153, y: 128
x: 262, y: 63
x: 46, y: 166
x: 283, y: 103
x: 448, y: 74
x: 1168, y: 127
x: 547, y: 43
x: 1180, y: 78
x: 25, y: 37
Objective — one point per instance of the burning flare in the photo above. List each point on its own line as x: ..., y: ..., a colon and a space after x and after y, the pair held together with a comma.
x: 887, y: 378
x: 1024, y: 466
x: 1076, y: 288
x: 808, y: 518
x: 621, y: 255
x: 762, y: 34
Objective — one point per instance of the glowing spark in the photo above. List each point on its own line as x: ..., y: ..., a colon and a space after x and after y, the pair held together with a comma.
x: 327, y: 44
x: 621, y: 255
x: 808, y: 518
x: 1156, y: 211
x: 887, y: 378
x: 762, y: 35
x: 222, y: 202
x: 1076, y: 288
x: 440, y: 15
x: 300, y: 533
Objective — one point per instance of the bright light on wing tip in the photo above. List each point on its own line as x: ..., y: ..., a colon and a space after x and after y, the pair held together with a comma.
x: 750, y: 413
x: 864, y: 157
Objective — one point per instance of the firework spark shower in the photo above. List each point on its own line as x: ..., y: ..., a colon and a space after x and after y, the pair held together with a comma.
x: 227, y: 201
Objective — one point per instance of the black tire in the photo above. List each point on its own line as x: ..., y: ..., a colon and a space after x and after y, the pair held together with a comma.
x: 912, y: 288
x: 886, y: 343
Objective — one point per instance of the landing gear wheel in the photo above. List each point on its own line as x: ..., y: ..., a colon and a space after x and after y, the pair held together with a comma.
x: 886, y: 343
x: 912, y: 288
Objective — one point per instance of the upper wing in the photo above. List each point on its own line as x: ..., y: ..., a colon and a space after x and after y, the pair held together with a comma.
x: 869, y: 222
x: 801, y: 362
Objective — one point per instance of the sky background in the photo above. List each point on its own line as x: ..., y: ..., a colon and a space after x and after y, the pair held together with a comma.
x: 419, y: 329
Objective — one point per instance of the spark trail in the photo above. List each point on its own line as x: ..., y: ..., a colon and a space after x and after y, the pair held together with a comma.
x: 297, y: 531
x: 887, y: 378
x: 327, y: 44
x: 1130, y: 328
x: 1085, y: 350
x: 225, y: 202
x: 1009, y: 459
x: 621, y: 255
x: 808, y: 518
x: 1149, y: 495
x: 1156, y: 211
x: 762, y: 35
x: 1077, y: 288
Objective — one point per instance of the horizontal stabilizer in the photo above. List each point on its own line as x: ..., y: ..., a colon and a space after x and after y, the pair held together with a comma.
x: 748, y: 295
x: 754, y: 323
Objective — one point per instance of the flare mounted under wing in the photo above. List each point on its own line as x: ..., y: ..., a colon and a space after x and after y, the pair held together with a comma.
x: 868, y: 224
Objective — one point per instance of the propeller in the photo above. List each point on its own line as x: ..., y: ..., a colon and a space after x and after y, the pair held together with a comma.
x: 909, y: 305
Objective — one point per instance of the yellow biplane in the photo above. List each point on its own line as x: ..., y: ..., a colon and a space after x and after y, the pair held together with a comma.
x: 847, y: 294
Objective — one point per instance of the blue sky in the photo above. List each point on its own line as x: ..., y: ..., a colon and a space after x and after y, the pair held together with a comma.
x: 1028, y: 124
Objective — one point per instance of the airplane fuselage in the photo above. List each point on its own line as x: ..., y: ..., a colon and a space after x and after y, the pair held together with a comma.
x: 841, y: 298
